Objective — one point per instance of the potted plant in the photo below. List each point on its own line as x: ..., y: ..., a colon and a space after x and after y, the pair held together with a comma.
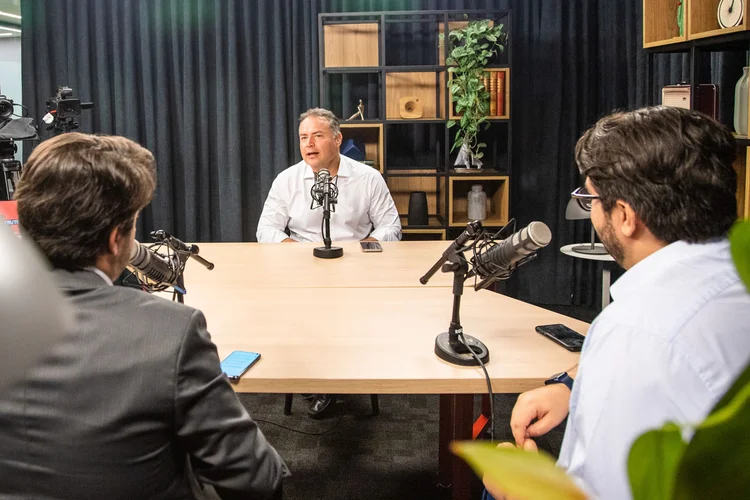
x: 470, y: 49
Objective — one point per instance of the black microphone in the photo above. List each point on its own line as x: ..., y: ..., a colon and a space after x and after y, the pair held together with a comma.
x: 511, y: 252
x: 152, y: 265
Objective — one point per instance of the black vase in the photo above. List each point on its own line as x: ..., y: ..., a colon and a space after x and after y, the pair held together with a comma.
x: 418, y: 209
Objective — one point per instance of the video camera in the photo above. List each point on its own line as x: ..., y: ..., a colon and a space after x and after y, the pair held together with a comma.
x: 11, y: 130
x: 6, y: 109
x: 63, y: 109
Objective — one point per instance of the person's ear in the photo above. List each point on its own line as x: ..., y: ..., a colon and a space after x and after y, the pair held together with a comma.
x: 629, y: 219
x: 339, y: 138
x: 113, y: 242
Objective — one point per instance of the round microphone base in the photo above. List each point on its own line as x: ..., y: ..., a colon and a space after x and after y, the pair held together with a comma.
x: 456, y: 352
x: 328, y: 253
x: 590, y: 250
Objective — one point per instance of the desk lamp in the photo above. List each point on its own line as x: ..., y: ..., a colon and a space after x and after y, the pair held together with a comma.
x: 574, y: 211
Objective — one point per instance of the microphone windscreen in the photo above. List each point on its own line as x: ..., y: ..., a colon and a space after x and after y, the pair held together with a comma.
x: 539, y: 233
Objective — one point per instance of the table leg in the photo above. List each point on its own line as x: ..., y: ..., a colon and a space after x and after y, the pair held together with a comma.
x: 456, y: 415
x: 605, y: 287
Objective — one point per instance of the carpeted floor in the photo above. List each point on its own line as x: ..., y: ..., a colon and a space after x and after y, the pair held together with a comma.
x: 391, y: 456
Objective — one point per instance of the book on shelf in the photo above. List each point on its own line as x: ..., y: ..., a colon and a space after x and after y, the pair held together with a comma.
x: 493, y: 94
x: 500, y: 93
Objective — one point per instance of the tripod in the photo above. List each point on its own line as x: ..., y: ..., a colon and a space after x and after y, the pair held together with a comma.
x: 11, y: 170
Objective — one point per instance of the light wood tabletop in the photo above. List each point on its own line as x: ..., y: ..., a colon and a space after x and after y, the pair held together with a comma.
x: 363, y: 323
x: 292, y: 265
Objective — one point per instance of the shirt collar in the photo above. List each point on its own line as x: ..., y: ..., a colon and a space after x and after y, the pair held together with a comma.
x: 101, y: 274
x: 344, y: 169
x: 655, y: 266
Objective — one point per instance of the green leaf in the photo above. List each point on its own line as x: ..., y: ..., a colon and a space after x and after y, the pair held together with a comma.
x: 519, y: 473
x: 653, y: 461
x: 716, y: 463
x: 739, y: 239
x: 450, y: 123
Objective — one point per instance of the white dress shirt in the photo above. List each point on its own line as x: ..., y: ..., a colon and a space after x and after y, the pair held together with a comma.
x: 668, y: 347
x: 365, y: 206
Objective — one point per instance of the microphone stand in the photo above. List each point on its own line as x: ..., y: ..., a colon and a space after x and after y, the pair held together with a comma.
x: 327, y: 251
x: 448, y: 345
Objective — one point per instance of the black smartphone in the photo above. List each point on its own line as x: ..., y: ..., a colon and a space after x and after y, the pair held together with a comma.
x: 237, y: 363
x: 566, y: 337
x: 370, y: 246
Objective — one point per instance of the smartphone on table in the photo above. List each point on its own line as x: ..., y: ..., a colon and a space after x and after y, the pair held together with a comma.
x: 370, y: 246
x: 566, y: 337
x: 237, y: 363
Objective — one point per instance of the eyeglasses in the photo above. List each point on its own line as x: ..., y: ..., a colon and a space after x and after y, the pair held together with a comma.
x: 584, y: 198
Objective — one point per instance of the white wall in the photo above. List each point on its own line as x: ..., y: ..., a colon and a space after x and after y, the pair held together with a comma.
x: 10, y: 73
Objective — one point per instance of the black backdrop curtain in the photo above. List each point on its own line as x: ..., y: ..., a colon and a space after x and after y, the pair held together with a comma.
x: 214, y: 89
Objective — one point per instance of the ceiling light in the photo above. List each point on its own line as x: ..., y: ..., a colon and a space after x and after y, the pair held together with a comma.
x: 14, y: 30
x: 6, y: 34
x: 8, y: 14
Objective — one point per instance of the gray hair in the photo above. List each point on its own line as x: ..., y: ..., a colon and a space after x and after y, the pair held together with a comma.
x: 328, y: 116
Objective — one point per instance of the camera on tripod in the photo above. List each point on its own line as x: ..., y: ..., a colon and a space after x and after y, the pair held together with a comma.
x: 6, y: 109
x: 63, y: 110
x: 11, y: 130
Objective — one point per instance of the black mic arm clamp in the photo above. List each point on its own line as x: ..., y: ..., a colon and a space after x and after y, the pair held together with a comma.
x: 182, y: 249
x: 451, y: 254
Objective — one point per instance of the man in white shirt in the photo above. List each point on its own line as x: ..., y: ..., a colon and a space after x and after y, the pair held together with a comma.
x: 365, y: 208
x: 661, y: 190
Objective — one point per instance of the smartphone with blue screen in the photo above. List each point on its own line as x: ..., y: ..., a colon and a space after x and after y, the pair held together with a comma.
x: 237, y: 363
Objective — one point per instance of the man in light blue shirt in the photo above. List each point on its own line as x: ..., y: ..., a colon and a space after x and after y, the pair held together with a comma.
x: 661, y: 189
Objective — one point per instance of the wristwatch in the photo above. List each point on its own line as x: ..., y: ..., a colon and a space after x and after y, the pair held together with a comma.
x: 560, y: 378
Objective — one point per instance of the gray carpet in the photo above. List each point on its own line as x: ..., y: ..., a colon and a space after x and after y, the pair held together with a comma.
x: 391, y: 456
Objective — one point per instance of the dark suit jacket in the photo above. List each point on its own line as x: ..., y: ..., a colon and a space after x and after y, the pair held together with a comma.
x: 122, y: 403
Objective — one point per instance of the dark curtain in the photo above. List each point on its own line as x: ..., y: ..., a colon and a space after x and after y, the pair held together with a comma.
x: 214, y: 89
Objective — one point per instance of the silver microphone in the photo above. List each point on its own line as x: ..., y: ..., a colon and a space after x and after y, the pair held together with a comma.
x: 510, y: 251
x: 153, y: 266
x: 322, y: 185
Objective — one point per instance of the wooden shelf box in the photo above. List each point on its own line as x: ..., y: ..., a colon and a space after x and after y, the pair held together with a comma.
x: 371, y: 135
x: 421, y: 234
x: 660, y: 22
x: 742, y: 167
x: 427, y: 86
x: 402, y: 187
x: 351, y: 45
x: 498, y: 194
x: 702, y: 21
x: 493, y: 88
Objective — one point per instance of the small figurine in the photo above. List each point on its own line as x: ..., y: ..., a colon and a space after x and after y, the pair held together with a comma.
x: 360, y: 112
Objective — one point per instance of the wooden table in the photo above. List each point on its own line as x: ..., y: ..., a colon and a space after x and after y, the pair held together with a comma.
x: 364, y: 324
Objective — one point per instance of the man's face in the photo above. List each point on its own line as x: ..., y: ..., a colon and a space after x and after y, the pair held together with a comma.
x: 603, y: 225
x: 318, y: 145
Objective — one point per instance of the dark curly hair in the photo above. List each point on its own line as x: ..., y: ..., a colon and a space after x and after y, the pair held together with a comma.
x: 672, y: 165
